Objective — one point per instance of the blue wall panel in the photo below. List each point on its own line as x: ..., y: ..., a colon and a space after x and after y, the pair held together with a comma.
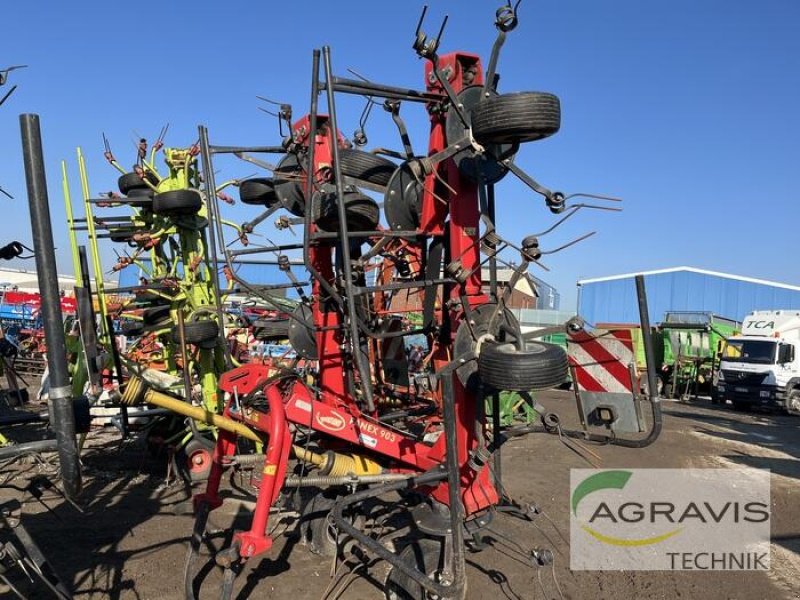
x: 614, y: 301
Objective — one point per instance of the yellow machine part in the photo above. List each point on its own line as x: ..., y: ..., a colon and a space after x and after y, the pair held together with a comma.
x: 335, y: 464
x: 137, y: 391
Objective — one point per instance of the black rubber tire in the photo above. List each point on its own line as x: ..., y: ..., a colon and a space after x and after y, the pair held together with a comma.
x: 140, y: 198
x: 793, y: 402
x: 301, y: 333
x: 132, y: 328
x: 117, y: 236
x: 131, y: 181
x: 425, y: 555
x: 201, y: 333
x: 193, y: 460
x: 516, y: 118
x: 366, y: 167
x: 363, y: 213
x: 267, y: 330
x: 177, y: 203
x: 258, y: 191
x: 155, y: 315
x: 540, y: 366
x: 288, y: 178
x: 315, y: 526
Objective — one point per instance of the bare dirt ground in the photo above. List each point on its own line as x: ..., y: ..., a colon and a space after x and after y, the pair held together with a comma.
x: 130, y: 542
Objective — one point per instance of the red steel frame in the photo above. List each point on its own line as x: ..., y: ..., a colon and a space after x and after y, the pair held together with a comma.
x: 332, y: 411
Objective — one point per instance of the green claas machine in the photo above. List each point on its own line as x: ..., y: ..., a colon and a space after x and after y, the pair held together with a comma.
x: 692, y: 343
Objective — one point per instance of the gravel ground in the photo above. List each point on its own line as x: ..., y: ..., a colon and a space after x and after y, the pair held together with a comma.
x: 130, y: 541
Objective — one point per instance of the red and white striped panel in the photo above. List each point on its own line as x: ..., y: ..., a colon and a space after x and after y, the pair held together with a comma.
x: 601, y: 360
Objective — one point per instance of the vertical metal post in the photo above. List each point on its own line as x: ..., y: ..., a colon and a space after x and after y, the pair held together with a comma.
x: 63, y: 421
x: 214, y: 221
x: 449, y: 417
x: 105, y: 335
x: 647, y: 338
x: 73, y: 242
x: 495, y: 395
x: 344, y: 246
x: 123, y: 410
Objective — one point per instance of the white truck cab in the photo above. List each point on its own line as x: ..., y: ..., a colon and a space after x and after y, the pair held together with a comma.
x: 761, y: 367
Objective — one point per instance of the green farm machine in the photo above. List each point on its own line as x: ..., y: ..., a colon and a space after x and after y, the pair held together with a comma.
x: 692, y: 343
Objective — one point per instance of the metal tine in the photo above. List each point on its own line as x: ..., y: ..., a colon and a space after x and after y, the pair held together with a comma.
x: 273, y: 102
x: 269, y: 112
x: 595, y: 207
x: 441, y: 32
x: 421, y: 19
x: 595, y: 196
x: 256, y: 161
x: 568, y: 244
x: 571, y: 211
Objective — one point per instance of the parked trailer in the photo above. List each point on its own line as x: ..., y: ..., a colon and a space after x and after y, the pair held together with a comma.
x: 692, y: 342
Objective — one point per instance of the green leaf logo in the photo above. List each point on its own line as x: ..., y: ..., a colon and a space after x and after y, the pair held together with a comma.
x: 599, y: 481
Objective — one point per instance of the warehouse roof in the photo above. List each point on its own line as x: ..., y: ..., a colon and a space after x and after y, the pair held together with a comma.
x: 692, y: 270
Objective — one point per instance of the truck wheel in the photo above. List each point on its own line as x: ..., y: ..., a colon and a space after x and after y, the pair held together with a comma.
x: 516, y: 118
x: 539, y: 366
x: 793, y: 403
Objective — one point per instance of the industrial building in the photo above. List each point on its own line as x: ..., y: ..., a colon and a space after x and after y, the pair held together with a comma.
x: 613, y: 299
x: 27, y: 281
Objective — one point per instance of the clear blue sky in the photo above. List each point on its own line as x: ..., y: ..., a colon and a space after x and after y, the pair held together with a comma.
x: 686, y: 109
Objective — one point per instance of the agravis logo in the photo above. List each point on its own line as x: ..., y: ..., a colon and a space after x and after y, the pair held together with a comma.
x: 668, y: 519
x: 610, y: 480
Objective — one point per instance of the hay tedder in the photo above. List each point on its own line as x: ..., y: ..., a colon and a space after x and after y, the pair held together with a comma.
x: 358, y: 425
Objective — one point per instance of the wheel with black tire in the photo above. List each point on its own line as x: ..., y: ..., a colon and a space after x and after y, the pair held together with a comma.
x: 177, y: 203
x: 289, y: 179
x: 516, y: 118
x: 156, y: 315
x: 539, y: 366
x: 362, y: 211
x: 193, y: 459
x: 316, y: 527
x: 366, y: 167
x: 271, y: 329
x: 121, y: 236
x: 426, y: 555
x: 200, y: 333
x: 140, y: 198
x: 258, y: 191
x: 793, y: 402
x: 132, y: 328
x: 301, y: 333
x: 132, y: 181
